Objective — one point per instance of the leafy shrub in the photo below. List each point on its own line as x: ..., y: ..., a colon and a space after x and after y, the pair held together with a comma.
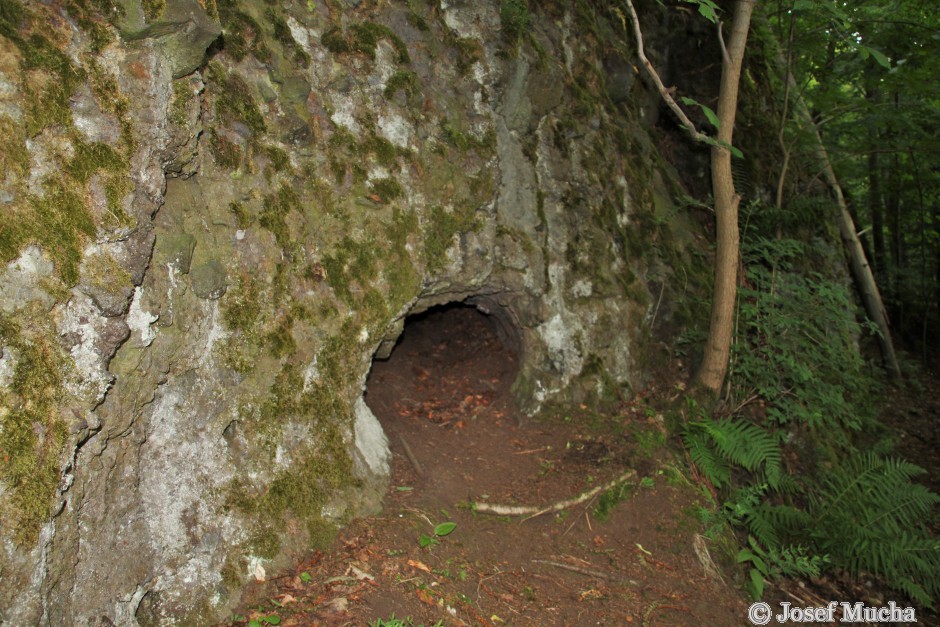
x: 797, y: 377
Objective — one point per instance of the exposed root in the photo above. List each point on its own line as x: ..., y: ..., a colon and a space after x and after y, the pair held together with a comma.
x: 533, y: 511
x: 411, y: 457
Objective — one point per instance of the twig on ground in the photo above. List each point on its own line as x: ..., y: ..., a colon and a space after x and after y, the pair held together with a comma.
x: 576, y: 569
x: 411, y: 456
x: 533, y: 512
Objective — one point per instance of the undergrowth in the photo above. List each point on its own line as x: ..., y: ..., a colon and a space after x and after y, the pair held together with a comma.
x: 783, y: 457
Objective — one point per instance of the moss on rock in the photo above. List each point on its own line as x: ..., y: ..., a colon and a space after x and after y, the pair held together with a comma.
x: 32, y: 431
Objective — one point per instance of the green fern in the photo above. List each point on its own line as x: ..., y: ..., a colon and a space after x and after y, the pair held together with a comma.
x: 870, y: 517
x: 717, y: 445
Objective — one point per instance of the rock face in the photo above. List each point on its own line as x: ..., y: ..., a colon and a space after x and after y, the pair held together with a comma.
x: 206, y: 238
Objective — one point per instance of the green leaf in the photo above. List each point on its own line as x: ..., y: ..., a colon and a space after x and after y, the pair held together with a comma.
x: 745, y: 556
x: 881, y: 58
x: 404, y: 488
x: 757, y: 584
x: 425, y: 540
x: 707, y: 8
x: 272, y: 619
x: 305, y: 577
x: 444, y: 529
x: 254, y: 623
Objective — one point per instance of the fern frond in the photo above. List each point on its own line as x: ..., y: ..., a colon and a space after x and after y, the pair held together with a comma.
x: 714, y: 468
x: 747, y: 445
x: 870, y: 517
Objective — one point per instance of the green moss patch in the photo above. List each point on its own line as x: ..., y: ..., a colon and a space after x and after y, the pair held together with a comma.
x: 32, y: 432
x: 363, y: 38
x: 234, y: 101
x: 275, y: 208
x: 440, y: 230
x: 402, y: 81
x: 242, y: 35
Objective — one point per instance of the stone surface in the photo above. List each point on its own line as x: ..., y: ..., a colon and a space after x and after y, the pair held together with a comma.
x: 251, y: 229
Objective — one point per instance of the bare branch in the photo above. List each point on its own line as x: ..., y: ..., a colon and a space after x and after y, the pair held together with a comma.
x: 533, y: 511
x: 663, y: 91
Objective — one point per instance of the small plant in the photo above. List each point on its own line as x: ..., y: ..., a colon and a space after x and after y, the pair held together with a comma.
x: 441, y: 530
x: 770, y: 564
x: 270, y: 619
x: 515, y: 19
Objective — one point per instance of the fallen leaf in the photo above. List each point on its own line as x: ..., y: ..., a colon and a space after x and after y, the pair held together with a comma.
x: 419, y: 565
x: 425, y: 596
x: 590, y: 595
x: 361, y: 575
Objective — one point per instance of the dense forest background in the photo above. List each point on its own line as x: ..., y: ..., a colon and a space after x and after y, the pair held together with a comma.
x: 839, y: 109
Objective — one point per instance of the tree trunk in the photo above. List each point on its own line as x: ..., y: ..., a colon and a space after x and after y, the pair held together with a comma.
x: 714, y: 367
x: 875, y: 200
x: 861, y: 270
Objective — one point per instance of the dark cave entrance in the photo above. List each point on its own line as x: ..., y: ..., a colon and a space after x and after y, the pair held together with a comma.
x: 446, y: 386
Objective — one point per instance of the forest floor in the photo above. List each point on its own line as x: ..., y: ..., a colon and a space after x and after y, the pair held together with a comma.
x: 634, y: 554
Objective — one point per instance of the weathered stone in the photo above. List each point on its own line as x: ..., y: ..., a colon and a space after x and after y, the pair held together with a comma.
x: 177, y: 249
x: 282, y: 220
x: 208, y: 280
x: 20, y: 281
x: 184, y: 31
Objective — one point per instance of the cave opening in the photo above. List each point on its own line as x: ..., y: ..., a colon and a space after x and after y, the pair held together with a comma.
x: 444, y: 391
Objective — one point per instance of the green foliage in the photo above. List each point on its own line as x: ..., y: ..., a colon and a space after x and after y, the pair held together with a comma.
x: 805, y: 368
x: 387, y: 189
x: 242, y: 35
x: 717, y: 445
x: 708, y: 9
x: 609, y: 499
x: 869, y: 516
x: 515, y: 19
x: 773, y: 563
x: 798, y: 378
x: 404, y: 81
x: 429, y: 540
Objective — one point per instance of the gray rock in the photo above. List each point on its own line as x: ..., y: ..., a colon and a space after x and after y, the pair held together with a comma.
x: 208, y: 280
x: 184, y: 32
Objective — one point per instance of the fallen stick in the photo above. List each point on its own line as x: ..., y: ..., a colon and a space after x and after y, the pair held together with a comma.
x: 575, y: 569
x: 532, y: 512
x: 411, y: 457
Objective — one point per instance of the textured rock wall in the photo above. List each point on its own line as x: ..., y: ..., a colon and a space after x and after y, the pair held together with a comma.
x: 214, y: 215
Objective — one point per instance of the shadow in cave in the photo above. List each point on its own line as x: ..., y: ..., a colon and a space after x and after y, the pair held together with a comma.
x: 443, y: 398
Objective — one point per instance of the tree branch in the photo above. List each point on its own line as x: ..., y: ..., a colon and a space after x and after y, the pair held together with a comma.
x: 654, y: 76
x: 534, y: 511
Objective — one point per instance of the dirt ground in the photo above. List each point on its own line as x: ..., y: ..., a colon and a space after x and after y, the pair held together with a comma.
x: 628, y: 555
x: 631, y: 554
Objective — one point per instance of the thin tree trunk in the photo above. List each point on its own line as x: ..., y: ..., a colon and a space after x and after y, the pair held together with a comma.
x: 875, y: 200
x: 714, y: 367
x: 896, y: 244
x: 861, y: 270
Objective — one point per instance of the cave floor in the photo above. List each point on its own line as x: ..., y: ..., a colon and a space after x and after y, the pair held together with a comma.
x: 624, y: 556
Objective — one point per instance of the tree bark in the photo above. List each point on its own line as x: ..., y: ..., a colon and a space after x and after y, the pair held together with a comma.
x: 714, y: 367
x: 858, y: 262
